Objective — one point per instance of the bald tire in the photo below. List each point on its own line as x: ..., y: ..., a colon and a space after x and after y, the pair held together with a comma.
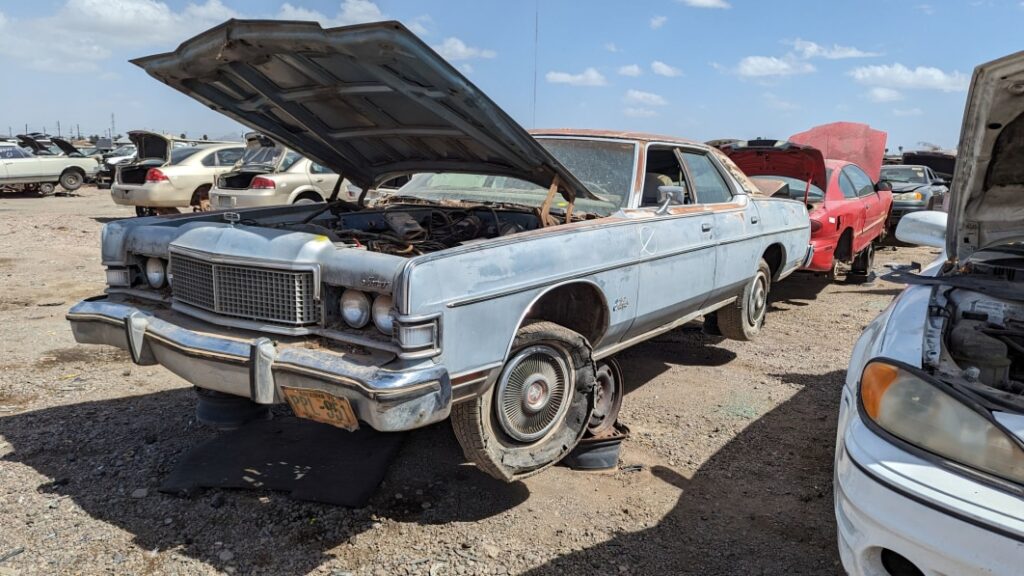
x: 734, y: 321
x: 486, y: 445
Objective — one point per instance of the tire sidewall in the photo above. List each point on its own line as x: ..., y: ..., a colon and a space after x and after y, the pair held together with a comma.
x: 763, y: 274
x: 71, y: 180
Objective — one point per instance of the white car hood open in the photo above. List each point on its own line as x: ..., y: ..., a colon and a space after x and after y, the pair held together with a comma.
x: 987, y: 194
x: 371, y: 101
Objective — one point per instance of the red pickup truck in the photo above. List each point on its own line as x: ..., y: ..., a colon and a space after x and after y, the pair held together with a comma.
x: 835, y: 169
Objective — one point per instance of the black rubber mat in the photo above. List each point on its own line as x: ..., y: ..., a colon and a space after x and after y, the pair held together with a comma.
x: 310, y: 461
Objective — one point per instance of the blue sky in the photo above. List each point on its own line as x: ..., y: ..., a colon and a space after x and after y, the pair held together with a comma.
x: 699, y: 69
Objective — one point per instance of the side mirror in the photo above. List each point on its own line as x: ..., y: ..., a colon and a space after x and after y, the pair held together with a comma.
x: 940, y: 182
x: 883, y: 186
x: 925, y: 228
x: 668, y: 195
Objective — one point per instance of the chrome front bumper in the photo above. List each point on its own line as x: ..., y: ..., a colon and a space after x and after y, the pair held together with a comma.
x: 257, y: 367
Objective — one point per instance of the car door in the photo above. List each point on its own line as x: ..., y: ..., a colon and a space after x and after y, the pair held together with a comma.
x: 676, y: 252
x: 323, y: 179
x: 870, y: 207
x: 736, y: 224
x: 21, y: 165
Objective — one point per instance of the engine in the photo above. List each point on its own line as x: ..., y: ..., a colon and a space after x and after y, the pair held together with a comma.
x: 985, y: 341
x: 410, y: 230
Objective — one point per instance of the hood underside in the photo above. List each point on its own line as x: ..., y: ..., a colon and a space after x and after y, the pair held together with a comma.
x: 847, y: 141
x: 779, y: 158
x: 150, y: 145
x: 66, y: 147
x: 987, y: 192
x: 26, y: 141
x: 370, y: 101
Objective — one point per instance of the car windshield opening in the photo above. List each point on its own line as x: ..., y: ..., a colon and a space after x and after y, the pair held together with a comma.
x: 797, y: 187
x: 604, y: 167
x: 904, y: 174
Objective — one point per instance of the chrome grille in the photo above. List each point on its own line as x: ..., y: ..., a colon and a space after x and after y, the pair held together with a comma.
x: 268, y: 294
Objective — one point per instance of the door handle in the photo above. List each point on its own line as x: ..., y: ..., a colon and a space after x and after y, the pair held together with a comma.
x: 754, y: 219
x: 705, y: 227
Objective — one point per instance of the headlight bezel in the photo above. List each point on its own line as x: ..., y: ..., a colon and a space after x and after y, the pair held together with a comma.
x: 367, y: 310
x: 973, y: 403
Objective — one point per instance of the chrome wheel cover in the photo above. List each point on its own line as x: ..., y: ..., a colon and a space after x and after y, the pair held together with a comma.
x: 533, y: 393
x: 758, y: 303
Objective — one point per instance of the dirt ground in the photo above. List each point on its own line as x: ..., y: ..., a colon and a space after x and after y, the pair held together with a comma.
x: 734, y: 443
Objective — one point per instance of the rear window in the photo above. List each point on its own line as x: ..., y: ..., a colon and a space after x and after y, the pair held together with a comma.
x: 179, y: 155
x: 797, y: 187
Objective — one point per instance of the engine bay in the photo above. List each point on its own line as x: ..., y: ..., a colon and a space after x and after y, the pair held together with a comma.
x: 982, y: 336
x: 411, y: 230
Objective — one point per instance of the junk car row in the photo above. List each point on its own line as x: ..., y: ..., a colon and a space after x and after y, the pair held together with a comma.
x: 496, y: 286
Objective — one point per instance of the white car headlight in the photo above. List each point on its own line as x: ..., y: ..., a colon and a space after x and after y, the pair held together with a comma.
x: 355, y: 308
x: 932, y: 416
x: 382, y: 313
x: 156, y: 272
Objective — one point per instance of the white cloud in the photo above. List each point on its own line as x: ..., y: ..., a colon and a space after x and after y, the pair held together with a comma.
x: 768, y: 66
x: 589, y: 77
x: 359, y: 11
x: 706, y: 3
x: 807, y: 49
x: 641, y: 98
x: 907, y: 112
x: 419, y: 24
x: 928, y: 9
x: 658, y: 22
x: 466, y: 68
x: 899, y: 76
x: 662, y: 69
x: 454, y: 49
x: 883, y: 94
x: 631, y: 70
x: 633, y: 112
x: 611, y: 47
x: 349, y: 12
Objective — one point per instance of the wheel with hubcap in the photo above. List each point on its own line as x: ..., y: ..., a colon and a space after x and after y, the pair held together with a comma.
x: 46, y: 189
x: 537, y: 410
x: 743, y: 320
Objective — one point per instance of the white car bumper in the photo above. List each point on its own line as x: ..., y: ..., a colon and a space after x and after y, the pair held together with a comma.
x: 943, y: 522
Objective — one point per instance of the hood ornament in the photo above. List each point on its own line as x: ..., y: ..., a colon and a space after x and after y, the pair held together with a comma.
x: 231, y: 217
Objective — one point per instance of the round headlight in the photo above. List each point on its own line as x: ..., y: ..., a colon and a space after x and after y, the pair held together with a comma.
x: 156, y: 272
x: 355, y: 308
x: 382, y: 313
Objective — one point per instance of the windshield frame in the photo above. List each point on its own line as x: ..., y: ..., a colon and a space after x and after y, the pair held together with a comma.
x: 905, y: 167
x: 636, y: 154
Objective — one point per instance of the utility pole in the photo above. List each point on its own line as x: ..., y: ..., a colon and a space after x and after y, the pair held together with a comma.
x: 113, y: 129
x: 58, y: 128
x: 78, y: 129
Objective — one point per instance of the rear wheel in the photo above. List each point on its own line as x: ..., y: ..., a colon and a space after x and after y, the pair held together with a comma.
x: 863, y: 263
x: 46, y: 189
x: 538, y: 409
x: 744, y: 319
x: 71, y: 180
x: 608, y: 393
x: 201, y: 199
x: 307, y: 198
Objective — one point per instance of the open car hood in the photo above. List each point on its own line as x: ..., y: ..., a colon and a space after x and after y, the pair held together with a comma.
x: 987, y: 193
x: 370, y: 101
x: 942, y: 163
x: 150, y: 145
x: 778, y: 158
x: 26, y: 141
x: 66, y: 147
x: 847, y: 141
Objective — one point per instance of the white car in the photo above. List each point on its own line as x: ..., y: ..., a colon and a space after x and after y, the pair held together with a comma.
x: 929, y: 469
x: 170, y: 174
x: 20, y: 170
x: 269, y: 174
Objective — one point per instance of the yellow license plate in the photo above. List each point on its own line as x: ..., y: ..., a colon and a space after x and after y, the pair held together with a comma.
x: 320, y: 406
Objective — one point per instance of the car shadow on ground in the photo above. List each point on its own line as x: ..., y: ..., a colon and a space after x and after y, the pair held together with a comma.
x: 799, y: 289
x: 757, y: 506
x: 108, y: 219
x: 102, y: 454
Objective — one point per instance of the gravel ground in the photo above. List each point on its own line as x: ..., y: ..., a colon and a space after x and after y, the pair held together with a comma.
x: 728, y: 469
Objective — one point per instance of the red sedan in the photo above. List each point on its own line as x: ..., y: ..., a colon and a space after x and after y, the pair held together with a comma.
x: 848, y: 206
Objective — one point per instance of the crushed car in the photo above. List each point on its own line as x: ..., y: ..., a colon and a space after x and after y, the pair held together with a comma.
x: 929, y: 462
x: 835, y: 170
x: 270, y: 174
x: 491, y: 288
x: 169, y: 173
